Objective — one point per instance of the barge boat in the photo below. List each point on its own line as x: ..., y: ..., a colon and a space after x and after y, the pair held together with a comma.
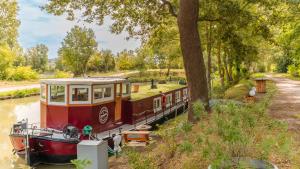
x: 76, y: 109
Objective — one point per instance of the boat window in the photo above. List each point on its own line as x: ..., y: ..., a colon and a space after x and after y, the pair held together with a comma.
x: 57, y: 94
x: 103, y: 93
x: 98, y: 93
x: 125, y: 89
x: 168, y: 100
x: 107, y: 92
x: 177, y: 96
x: 157, y: 104
x: 185, y: 94
x: 80, y: 94
x: 43, y: 92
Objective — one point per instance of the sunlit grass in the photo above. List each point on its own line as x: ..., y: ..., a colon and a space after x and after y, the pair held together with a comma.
x: 146, y: 91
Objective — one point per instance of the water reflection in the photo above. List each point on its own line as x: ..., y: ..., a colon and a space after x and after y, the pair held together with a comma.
x: 12, y: 111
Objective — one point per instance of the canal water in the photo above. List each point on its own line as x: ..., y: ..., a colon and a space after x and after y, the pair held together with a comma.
x: 12, y: 111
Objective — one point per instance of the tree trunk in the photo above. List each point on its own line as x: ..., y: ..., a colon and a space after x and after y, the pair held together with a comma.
x: 220, y: 67
x: 192, y: 53
x: 209, y: 47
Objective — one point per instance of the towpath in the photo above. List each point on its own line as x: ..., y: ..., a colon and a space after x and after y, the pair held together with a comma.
x: 285, y: 105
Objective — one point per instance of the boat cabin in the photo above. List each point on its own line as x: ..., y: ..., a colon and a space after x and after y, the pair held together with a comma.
x: 83, y: 101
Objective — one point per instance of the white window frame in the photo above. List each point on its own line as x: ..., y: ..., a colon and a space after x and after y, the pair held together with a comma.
x: 49, y: 95
x: 125, y: 95
x: 111, y: 98
x: 157, y: 109
x: 80, y: 86
x: 41, y: 94
x: 171, y: 101
x: 178, y: 96
x: 185, y: 93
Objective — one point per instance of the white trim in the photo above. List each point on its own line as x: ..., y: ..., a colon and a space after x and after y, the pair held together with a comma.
x: 80, y: 86
x: 49, y: 95
x: 125, y: 95
x: 177, y: 99
x: 154, y: 105
x: 41, y: 94
x: 171, y: 101
x: 103, y: 99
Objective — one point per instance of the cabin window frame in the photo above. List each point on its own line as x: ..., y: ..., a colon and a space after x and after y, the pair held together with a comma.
x: 178, y: 96
x: 169, y: 100
x: 43, y: 94
x: 129, y: 89
x: 185, y: 94
x: 49, y: 95
x: 71, y: 87
x: 155, y: 108
x: 103, y: 99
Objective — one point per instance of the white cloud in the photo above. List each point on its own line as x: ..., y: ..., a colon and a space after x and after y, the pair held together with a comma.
x: 37, y: 26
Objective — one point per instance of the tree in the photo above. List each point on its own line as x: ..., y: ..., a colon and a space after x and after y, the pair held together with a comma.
x: 125, y: 60
x: 138, y: 18
x: 6, y: 59
x: 77, y: 48
x: 8, y: 22
x: 102, y: 61
x: 37, y: 57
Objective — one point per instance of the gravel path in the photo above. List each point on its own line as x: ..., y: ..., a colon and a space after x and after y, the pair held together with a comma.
x: 286, y: 103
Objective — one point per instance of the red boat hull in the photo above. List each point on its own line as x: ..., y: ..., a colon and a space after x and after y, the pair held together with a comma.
x: 45, y: 149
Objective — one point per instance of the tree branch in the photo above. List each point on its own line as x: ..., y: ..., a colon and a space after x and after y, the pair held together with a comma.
x: 170, y: 7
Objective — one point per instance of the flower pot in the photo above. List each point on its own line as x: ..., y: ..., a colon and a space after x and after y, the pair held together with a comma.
x: 248, y: 163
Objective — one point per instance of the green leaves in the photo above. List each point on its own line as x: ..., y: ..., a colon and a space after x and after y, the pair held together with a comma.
x: 77, y: 48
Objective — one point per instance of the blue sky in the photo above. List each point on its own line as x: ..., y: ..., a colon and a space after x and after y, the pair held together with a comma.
x: 38, y: 26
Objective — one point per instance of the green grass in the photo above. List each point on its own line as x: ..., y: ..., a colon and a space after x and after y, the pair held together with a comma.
x: 146, y: 91
x: 239, y: 91
x: 19, y: 93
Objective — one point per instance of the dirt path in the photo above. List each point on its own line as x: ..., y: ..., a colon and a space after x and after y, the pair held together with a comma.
x: 286, y: 103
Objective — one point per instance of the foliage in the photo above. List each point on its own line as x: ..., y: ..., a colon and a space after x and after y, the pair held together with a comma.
x: 37, y: 57
x: 62, y: 74
x: 8, y: 22
x: 102, y: 61
x: 6, y: 59
x: 239, y: 91
x: 138, y: 162
x: 199, y: 110
x: 77, y: 48
x: 19, y: 93
x: 81, y: 164
x: 293, y: 70
x: 21, y: 73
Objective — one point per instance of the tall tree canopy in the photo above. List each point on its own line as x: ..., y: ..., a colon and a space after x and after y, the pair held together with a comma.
x: 37, y: 57
x: 77, y: 48
x: 8, y: 22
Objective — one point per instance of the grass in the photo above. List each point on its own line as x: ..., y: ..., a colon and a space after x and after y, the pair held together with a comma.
x: 6, y: 83
x: 239, y: 91
x: 231, y: 130
x: 19, y: 93
x: 146, y: 91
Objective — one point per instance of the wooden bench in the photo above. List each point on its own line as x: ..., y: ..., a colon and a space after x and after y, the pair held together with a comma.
x: 138, y: 136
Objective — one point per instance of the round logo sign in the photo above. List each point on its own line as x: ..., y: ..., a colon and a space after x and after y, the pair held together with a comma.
x: 103, y: 115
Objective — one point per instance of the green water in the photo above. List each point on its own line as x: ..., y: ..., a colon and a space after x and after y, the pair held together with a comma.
x: 12, y: 111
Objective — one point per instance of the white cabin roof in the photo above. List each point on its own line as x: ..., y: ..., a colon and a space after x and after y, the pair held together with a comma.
x: 85, y: 81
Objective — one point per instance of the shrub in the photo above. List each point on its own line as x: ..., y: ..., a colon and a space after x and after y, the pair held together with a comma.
x: 62, y: 74
x: 21, y: 73
x: 293, y: 70
x: 81, y: 164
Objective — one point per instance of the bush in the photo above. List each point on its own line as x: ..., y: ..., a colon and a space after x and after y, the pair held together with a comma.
x: 21, y: 73
x: 62, y: 74
x: 293, y: 70
x: 239, y: 91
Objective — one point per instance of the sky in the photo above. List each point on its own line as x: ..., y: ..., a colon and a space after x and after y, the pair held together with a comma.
x: 39, y: 27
